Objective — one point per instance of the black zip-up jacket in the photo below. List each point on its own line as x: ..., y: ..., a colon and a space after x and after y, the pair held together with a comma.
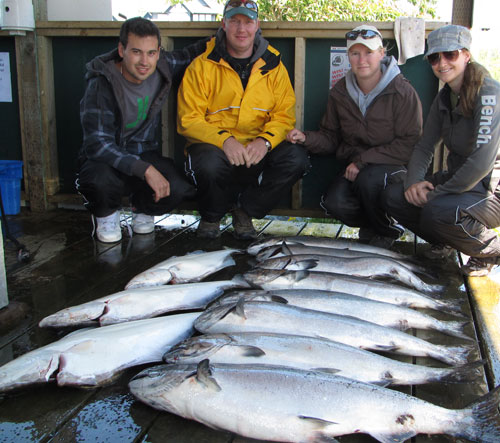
x: 101, y: 113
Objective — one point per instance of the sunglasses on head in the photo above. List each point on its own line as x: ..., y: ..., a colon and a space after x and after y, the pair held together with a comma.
x: 451, y: 56
x: 364, y: 33
x: 241, y: 3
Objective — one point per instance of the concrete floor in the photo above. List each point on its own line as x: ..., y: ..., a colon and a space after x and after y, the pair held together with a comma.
x: 67, y: 267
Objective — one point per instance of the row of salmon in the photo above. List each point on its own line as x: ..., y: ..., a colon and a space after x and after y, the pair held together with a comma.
x: 250, y: 345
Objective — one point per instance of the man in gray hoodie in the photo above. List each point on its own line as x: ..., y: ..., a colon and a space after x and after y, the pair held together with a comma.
x: 372, y: 121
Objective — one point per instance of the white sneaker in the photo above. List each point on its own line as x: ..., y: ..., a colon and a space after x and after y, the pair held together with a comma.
x: 108, y: 228
x: 143, y: 223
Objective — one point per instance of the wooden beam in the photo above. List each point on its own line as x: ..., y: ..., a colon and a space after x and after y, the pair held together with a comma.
x: 462, y: 12
x: 31, y: 128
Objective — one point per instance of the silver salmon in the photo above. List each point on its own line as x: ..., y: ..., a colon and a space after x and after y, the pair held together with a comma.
x: 294, y: 405
x: 381, y: 313
x: 299, y: 249
x: 323, y: 242
x: 328, y: 281
x: 139, y: 303
x: 187, y: 268
x: 313, y: 353
x: 285, y: 319
x: 369, y: 267
x: 94, y: 356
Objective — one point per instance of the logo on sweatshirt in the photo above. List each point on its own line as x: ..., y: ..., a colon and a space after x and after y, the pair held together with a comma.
x: 142, y: 112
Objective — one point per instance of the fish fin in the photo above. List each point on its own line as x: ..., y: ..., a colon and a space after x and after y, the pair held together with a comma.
x: 393, y: 438
x: 252, y: 351
x: 204, y: 375
x: 329, y: 370
x: 318, y: 421
x: 452, y: 355
x: 297, y: 275
x: 486, y: 419
x: 383, y: 348
x: 239, y: 309
x: 279, y: 299
x: 455, y: 328
x: 308, y: 263
x: 460, y: 374
x: 285, y: 249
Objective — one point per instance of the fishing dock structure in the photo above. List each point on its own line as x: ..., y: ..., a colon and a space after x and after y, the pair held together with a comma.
x: 68, y: 267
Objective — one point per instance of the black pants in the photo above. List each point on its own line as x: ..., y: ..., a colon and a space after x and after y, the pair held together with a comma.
x: 357, y: 203
x: 258, y: 189
x: 103, y: 187
x: 462, y: 221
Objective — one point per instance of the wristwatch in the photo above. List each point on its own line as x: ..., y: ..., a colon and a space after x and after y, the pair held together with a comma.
x: 267, y: 143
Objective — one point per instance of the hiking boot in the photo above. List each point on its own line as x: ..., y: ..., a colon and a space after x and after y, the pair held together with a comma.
x: 478, y: 267
x: 208, y: 229
x: 366, y: 234
x: 108, y: 228
x: 242, y: 224
x: 439, y: 251
x: 143, y: 223
x: 382, y: 242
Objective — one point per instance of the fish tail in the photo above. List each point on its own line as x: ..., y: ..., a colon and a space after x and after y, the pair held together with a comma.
x: 451, y: 306
x: 453, y: 355
x: 454, y: 328
x: 426, y: 287
x: 485, y: 425
x: 459, y: 374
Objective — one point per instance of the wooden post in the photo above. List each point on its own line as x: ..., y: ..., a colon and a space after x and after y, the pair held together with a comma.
x: 30, y: 113
x: 299, y: 86
x: 462, y: 13
x: 4, y: 298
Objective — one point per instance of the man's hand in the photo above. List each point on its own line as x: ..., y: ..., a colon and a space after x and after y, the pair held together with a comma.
x: 256, y: 151
x: 351, y: 172
x: 296, y: 136
x: 159, y: 184
x: 416, y: 194
x: 235, y: 152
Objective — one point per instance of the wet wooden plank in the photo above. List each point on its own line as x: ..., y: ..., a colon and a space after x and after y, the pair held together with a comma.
x: 485, y: 301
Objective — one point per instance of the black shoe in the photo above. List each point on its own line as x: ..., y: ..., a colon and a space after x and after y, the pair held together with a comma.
x: 242, y: 224
x: 439, y: 251
x: 382, y: 242
x: 366, y: 234
x: 208, y: 229
x: 478, y: 267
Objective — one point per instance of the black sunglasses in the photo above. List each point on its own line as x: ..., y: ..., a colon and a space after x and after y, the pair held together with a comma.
x: 364, y: 33
x: 238, y: 3
x: 451, y: 56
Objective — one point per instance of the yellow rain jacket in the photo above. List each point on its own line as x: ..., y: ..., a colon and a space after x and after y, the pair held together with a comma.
x: 212, y: 105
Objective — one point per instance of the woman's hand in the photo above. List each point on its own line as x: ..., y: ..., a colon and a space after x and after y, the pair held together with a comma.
x: 416, y: 194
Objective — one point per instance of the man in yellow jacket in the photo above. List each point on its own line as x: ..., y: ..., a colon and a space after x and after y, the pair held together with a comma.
x: 235, y: 106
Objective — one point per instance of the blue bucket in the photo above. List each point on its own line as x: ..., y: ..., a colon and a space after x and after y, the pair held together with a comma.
x: 11, y: 173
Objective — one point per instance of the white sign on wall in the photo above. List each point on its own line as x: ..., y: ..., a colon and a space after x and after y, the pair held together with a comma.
x: 5, y: 80
x: 339, y: 64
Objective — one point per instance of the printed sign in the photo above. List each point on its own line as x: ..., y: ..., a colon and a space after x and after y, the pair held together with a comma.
x: 5, y: 82
x: 339, y: 64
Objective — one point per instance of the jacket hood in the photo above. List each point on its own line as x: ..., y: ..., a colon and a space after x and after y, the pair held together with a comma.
x: 390, y: 70
x: 100, y: 65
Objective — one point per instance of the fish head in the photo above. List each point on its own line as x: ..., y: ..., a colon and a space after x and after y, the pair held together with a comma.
x: 196, y: 348
x: 173, y: 388
x: 208, y: 321
x: 259, y: 277
x: 255, y: 247
x: 151, y: 277
x: 269, y: 252
x: 37, y: 366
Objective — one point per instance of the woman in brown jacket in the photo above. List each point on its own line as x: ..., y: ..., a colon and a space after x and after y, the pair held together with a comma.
x: 372, y: 121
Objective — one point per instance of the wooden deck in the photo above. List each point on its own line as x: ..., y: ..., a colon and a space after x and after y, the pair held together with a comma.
x: 68, y: 267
